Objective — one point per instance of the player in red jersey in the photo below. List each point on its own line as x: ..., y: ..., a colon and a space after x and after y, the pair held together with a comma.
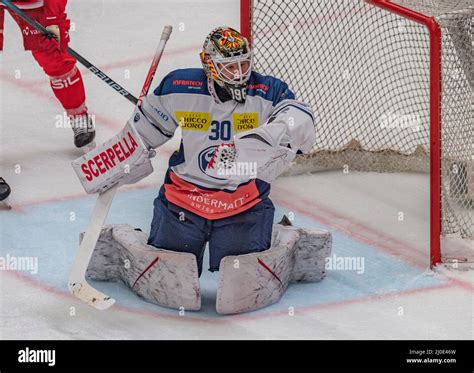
x: 51, y: 55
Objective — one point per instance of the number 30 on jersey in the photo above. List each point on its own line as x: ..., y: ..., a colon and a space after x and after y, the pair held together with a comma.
x: 220, y: 130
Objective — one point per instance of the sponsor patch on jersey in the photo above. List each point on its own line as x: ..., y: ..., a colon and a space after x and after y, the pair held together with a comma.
x: 259, y: 87
x: 211, y: 204
x: 193, y: 120
x: 161, y: 114
x: 189, y: 83
x: 244, y: 121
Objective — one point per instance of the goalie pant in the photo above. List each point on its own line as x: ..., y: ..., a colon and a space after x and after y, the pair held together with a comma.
x: 195, y: 207
x: 184, y: 99
x: 176, y: 229
x: 65, y: 79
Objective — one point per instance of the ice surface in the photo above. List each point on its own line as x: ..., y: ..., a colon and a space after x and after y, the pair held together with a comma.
x: 382, y: 219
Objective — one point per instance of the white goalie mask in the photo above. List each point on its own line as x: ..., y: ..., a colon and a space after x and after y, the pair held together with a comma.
x: 227, y: 59
x: 234, y: 70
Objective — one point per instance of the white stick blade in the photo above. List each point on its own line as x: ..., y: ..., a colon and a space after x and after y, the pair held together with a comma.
x: 91, y: 296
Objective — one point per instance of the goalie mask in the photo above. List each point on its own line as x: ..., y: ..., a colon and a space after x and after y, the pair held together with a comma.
x: 227, y: 59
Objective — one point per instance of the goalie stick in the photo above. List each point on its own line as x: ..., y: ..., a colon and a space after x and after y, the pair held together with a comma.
x: 92, y: 68
x: 77, y: 278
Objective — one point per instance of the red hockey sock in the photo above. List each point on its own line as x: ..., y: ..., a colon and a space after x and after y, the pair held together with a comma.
x: 69, y: 90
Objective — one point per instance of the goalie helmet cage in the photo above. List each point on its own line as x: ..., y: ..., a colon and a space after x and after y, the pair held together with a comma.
x: 391, y: 84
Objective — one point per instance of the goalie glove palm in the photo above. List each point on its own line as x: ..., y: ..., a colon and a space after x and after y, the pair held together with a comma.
x: 262, y: 153
x: 266, y: 146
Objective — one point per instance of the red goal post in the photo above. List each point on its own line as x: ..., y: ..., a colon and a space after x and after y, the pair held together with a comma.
x: 433, y: 28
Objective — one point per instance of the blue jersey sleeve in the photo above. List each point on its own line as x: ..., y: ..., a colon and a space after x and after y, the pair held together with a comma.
x: 184, y: 81
x: 269, y: 88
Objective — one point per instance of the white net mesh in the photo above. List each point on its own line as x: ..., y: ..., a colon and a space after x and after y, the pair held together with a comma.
x: 366, y: 73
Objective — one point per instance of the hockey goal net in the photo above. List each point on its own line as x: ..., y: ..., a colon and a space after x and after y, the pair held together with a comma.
x: 391, y: 84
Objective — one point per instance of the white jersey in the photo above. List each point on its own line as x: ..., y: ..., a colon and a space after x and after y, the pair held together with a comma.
x: 184, y: 99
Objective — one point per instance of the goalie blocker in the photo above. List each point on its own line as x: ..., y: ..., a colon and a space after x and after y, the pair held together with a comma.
x: 123, y: 159
x: 246, y: 282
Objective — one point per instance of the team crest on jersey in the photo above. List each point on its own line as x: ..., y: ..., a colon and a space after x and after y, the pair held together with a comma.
x: 204, y: 158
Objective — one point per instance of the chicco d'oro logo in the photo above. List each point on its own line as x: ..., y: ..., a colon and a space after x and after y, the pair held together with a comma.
x: 244, y: 121
x: 193, y: 121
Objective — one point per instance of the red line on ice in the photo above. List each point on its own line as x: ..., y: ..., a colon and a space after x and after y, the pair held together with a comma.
x: 350, y: 227
x: 47, y: 95
x: 229, y: 319
x: 33, y: 85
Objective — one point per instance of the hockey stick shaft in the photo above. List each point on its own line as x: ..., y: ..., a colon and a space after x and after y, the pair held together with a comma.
x: 154, y: 64
x: 92, y: 68
x: 77, y: 283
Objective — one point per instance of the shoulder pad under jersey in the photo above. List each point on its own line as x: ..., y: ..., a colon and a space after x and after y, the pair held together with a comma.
x: 269, y: 88
x: 193, y: 81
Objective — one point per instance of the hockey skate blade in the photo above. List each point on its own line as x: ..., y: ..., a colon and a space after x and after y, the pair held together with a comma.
x: 91, y: 296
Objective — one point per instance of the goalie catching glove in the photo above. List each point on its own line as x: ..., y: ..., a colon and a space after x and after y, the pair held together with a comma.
x: 267, y: 151
x: 123, y: 159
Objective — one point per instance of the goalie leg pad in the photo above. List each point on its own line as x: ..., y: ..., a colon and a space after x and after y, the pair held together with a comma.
x: 312, y: 249
x: 253, y: 281
x: 163, y: 277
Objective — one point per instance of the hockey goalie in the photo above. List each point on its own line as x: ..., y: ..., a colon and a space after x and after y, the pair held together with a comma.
x: 240, y: 131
